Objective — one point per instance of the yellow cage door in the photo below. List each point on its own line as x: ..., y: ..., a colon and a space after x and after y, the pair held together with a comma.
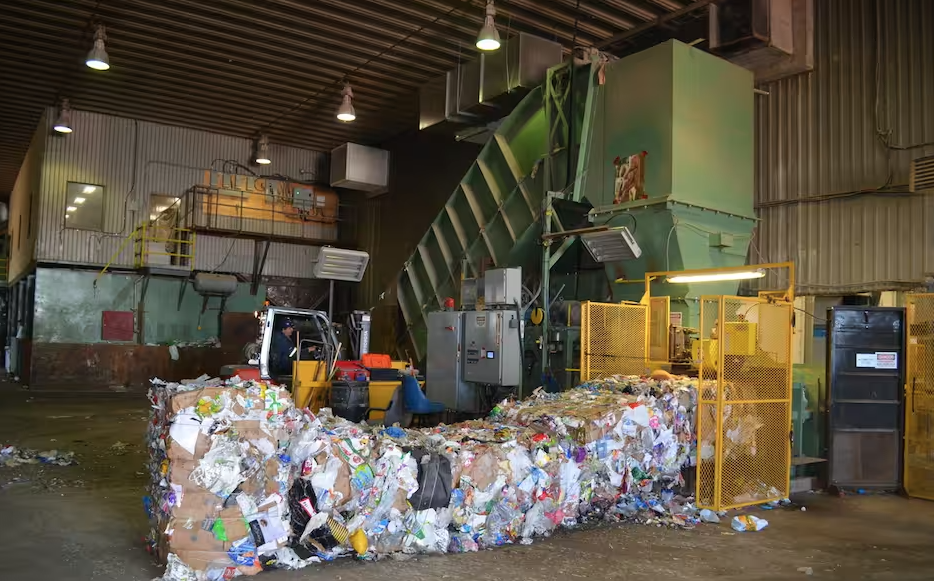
x: 919, y: 397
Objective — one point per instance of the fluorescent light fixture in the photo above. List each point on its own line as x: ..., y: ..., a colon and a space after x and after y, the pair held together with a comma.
x: 79, y: 200
x: 341, y: 264
x: 159, y: 208
x: 63, y: 121
x: 612, y: 245
x: 89, y: 189
x: 488, y: 38
x: 70, y: 209
x: 262, y: 151
x: 97, y: 57
x: 346, y: 112
x: 716, y: 276
x: 153, y: 216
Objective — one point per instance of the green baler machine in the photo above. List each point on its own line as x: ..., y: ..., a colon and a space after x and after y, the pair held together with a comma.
x: 691, y: 112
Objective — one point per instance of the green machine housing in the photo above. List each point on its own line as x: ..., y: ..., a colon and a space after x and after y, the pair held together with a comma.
x: 691, y: 112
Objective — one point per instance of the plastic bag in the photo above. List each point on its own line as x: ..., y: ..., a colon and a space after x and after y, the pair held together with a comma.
x: 220, y: 469
x: 434, y: 480
x: 747, y: 522
x: 709, y: 516
x: 536, y: 523
x: 302, y: 503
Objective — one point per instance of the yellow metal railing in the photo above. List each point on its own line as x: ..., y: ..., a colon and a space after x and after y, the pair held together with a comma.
x: 178, y: 246
x: 614, y: 339
x: 744, y: 402
x: 919, y: 397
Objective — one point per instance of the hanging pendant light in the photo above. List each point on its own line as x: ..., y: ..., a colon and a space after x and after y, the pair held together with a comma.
x: 346, y: 112
x: 63, y: 120
x: 97, y: 57
x: 488, y: 39
x: 261, y: 147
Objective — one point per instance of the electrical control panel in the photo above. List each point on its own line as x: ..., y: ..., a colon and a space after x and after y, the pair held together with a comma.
x: 492, y: 348
x: 445, y: 373
x: 304, y: 198
x: 502, y: 286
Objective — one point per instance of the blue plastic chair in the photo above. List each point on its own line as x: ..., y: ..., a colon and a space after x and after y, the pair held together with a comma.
x: 415, y: 400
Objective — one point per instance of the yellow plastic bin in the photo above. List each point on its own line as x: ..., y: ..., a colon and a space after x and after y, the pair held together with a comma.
x: 380, y: 396
x: 308, y: 388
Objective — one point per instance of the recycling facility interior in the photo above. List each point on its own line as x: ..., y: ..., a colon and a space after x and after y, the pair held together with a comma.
x: 732, y: 191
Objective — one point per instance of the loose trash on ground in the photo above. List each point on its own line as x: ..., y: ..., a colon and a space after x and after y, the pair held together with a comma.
x: 746, y: 523
x: 13, y: 456
x: 243, y: 481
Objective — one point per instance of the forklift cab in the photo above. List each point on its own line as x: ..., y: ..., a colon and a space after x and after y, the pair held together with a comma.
x: 312, y: 329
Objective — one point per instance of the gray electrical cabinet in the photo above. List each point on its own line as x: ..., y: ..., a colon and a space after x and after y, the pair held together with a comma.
x: 492, y: 348
x: 502, y: 286
x: 444, y: 379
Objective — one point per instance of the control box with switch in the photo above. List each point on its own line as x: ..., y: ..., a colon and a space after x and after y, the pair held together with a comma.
x: 492, y: 348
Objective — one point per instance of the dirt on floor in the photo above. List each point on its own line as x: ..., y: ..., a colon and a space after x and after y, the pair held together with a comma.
x: 87, y: 521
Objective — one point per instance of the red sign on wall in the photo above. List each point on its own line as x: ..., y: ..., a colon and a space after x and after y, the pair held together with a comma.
x: 118, y: 326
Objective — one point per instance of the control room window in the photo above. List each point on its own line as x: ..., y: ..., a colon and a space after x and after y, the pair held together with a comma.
x: 84, y: 206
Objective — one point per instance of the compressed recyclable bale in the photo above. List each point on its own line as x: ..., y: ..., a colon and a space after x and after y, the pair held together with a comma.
x: 243, y: 481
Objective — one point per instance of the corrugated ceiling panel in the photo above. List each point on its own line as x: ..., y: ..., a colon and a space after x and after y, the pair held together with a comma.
x: 276, y: 66
x: 817, y: 136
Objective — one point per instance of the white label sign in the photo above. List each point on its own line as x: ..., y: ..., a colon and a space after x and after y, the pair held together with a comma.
x: 886, y: 360
x: 877, y: 360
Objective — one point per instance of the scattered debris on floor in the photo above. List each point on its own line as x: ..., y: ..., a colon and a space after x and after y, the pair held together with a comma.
x: 242, y: 481
x: 746, y: 522
x: 119, y: 448
x: 13, y: 456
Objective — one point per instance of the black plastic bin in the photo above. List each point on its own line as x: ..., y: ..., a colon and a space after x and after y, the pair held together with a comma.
x: 350, y: 399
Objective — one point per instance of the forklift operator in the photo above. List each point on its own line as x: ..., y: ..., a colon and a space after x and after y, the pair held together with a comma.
x: 283, y: 349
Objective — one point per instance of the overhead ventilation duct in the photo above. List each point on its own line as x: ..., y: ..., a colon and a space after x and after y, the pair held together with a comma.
x: 361, y: 168
x: 488, y: 88
x: 772, y: 38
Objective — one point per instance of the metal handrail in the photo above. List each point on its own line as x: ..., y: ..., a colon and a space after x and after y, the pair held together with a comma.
x: 143, y: 253
x: 120, y: 249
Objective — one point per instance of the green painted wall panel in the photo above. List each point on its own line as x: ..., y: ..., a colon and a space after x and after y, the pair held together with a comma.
x: 165, y: 323
x: 69, y: 307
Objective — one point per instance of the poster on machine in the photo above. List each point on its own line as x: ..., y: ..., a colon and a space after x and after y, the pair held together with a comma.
x: 630, y: 178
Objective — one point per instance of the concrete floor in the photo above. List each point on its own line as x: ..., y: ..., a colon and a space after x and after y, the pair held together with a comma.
x: 87, y: 522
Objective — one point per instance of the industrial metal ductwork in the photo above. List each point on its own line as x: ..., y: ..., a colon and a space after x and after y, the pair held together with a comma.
x: 487, y: 89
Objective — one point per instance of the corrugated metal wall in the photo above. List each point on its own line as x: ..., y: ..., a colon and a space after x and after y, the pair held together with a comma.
x: 817, y: 136
x: 235, y: 255
x: 23, y: 218
x: 135, y: 159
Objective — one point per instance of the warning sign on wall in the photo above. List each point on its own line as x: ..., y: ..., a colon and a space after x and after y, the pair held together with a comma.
x: 877, y: 360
